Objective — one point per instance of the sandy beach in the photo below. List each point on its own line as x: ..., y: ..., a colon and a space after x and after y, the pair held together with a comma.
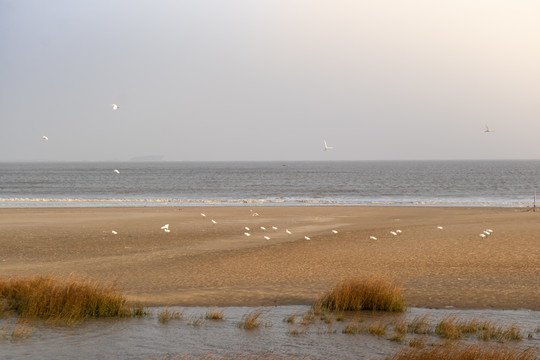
x: 202, y: 263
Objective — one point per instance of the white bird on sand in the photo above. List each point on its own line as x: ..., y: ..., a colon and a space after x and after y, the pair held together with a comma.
x: 326, y: 147
x: 307, y: 238
x: 274, y: 228
x: 115, y: 107
x: 488, y: 130
x: 482, y: 235
x: 44, y: 137
x: 334, y: 232
x: 439, y: 227
x: 373, y: 238
x: 246, y: 228
x: 489, y: 230
x: 203, y: 214
x: 263, y: 228
x: 487, y: 233
x: 254, y: 214
x: 166, y: 226
x: 288, y: 231
x: 247, y: 234
x: 116, y: 171
x: 213, y: 221
x: 114, y: 232
x: 393, y: 233
x: 266, y: 237
x: 399, y: 231
x: 167, y: 230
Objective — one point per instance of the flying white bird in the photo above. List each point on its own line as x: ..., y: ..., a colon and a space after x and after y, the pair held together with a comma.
x: 373, y: 238
x: 263, y: 228
x: 115, y: 107
x: 487, y: 233
x: 255, y: 214
x: 488, y: 130
x: 114, y: 232
x: 166, y: 226
x: 288, y: 232
x: 274, y: 228
x: 246, y: 228
x: 393, y: 233
x: 326, y: 147
x: 213, y: 221
x: 203, y: 214
x: 482, y: 235
x: 247, y: 234
x: 334, y: 231
x: 266, y: 237
x: 439, y: 227
x: 44, y: 137
x: 307, y: 238
x: 116, y: 171
x: 399, y: 231
x: 167, y: 230
x: 489, y: 230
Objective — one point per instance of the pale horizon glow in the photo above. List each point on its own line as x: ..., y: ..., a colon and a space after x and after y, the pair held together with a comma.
x: 266, y: 80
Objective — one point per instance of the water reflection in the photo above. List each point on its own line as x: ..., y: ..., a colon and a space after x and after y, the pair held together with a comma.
x: 305, y: 336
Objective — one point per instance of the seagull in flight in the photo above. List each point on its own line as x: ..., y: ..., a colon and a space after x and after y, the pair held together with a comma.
x: 116, y: 171
x: 326, y: 147
x: 115, y: 107
x: 44, y: 137
x: 488, y: 130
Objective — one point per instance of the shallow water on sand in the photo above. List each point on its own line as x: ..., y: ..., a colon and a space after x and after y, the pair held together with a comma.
x: 148, y: 338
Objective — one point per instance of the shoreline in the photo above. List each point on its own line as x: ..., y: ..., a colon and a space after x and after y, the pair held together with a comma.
x: 204, y: 264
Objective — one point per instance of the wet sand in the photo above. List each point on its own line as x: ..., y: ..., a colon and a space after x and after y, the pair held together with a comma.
x: 201, y: 263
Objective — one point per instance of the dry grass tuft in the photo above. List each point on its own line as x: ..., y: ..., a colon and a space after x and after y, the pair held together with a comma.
x: 462, y: 352
x: 452, y: 328
x: 369, y: 293
x: 214, y: 314
x: 166, y: 314
x: 250, y: 320
x: 51, y: 298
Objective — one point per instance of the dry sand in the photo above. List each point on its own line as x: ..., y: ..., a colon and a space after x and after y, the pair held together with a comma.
x: 201, y: 263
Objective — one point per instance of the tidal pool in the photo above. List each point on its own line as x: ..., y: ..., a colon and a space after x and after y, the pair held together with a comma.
x: 304, y: 335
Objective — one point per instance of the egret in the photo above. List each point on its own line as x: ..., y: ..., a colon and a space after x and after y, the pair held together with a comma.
x: 488, y: 130
x: 334, y: 232
x: 487, y: 233
x: 247, y: 234
x: 326, y: 147
x: 266, y: 237
x: 274, y: 228
x: 482, y: 235
x: 307, y: 238
x: 373, y: 238
x: 44, y: 137
x: 288, y: 232
x: 439, y: 227
x: 399, y: 231
x: 213, y: 221
x: 114, y: 232
x: 246, y: 228
x: 166, y: 226
x: 263, y: 228
x: 393, y: 233
x: 203, y: 214
x: 115, y: 107
x: 116, y: 171
x: 489, y: 230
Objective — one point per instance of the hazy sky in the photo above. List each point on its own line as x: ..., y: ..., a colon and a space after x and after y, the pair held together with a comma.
x: 269, y: 80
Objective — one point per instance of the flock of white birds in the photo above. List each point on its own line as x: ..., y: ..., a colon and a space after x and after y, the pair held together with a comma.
x: 397, y: 232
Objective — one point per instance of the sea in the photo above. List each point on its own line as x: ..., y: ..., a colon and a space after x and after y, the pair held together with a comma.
x: 505, y: 183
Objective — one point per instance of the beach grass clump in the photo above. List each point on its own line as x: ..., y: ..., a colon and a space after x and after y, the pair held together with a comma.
x: 73, y: 299
x: 464, y: 352
x: 448, y: 328
x: 373, y: 293
x: 251, y: 320
x: 167, y: 314
x: 419, y: 325
x: 214, y: 314
x: 452, y: 328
